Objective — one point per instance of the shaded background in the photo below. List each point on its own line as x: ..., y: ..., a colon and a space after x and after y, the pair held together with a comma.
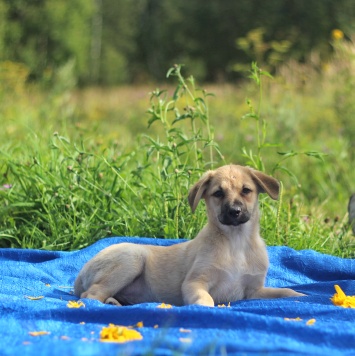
x: 78, y: 161
x: 126, y: 41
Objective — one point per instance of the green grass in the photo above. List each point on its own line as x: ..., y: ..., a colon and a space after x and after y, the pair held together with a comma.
x: 83, y: 165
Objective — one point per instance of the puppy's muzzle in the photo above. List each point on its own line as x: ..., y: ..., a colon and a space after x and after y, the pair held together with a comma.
x: 234, y: 214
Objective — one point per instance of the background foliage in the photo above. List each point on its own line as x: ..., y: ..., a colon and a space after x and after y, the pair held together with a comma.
x: 126, y: 41
x: 82, y: 159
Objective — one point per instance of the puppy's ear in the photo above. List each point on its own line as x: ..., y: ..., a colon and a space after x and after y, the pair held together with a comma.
x: 198, y: 190
x: 266, y: 184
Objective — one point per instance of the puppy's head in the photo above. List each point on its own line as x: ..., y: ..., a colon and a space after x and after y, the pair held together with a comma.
x: 231, y: 193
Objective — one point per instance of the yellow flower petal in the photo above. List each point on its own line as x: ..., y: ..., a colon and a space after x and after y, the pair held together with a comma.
x: 293, y: 319
x: 223, y: 305
x: 311, y: 321
x: 185, y: 339
x: 75, y: 304
x: 39, y: 333
x: 164, y: 306
x: 182, y: 330
x: 341, y: 299
x: 34, y: 298
x: 117, y: 333
x: 139, y: 324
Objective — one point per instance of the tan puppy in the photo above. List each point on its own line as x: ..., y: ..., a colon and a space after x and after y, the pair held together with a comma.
x: 226, y: 261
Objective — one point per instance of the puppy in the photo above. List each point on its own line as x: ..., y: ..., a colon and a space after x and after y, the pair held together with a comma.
x: 226, y: 261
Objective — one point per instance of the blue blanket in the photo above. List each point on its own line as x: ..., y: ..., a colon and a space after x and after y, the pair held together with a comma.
x: 36, y: 286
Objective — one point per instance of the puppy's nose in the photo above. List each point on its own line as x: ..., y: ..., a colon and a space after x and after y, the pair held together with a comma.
x: 235, y: 212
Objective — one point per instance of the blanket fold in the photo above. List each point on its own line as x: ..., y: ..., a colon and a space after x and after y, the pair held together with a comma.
x: 36, y: 287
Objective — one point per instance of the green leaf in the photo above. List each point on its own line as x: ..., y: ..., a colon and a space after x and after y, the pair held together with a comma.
x: 250, y: 116
x: 176, y: 92
x: 170, y: 72
x: 287, y: 171
x: 182, y: 117
x: 266, y: 74
x: 315, y: 154
x: 288, y: 154
x: 153, y: 119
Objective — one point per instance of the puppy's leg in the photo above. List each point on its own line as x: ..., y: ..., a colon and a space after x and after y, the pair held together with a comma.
x: 98, y: 292
x: 109, y: 272
x: 271, y: 293
x: 105, y: 289
x: 195, y: 292
x: 113, y: 301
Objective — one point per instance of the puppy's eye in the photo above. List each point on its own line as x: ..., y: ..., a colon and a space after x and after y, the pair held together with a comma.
x: 218, y: 194
x: 246, y: 191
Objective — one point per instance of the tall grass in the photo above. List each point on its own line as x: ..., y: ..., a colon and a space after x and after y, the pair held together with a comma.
x: 75, y: 167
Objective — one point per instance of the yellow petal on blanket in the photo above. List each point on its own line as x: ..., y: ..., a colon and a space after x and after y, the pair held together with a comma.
x: 185, y: 339
x: 117, y: 333
x: 75, y: 304
x: 311, y: 321
x: 182, y: 330
x: 164, y: 306
x: 39, y: 333
x: 340, y: 299
x: 293, y: 319
x: 34, y: 298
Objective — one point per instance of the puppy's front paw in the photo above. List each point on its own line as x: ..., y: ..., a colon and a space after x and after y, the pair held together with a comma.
x: 205, y: 304
x: 207, y: 301
x: 112, y: 301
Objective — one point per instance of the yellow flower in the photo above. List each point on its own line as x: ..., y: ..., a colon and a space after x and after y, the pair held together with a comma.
x: 341, y: 299
x: 117, y: 333
x: 337, y: 34
x: 74, y: 304
x: 164, y: 306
